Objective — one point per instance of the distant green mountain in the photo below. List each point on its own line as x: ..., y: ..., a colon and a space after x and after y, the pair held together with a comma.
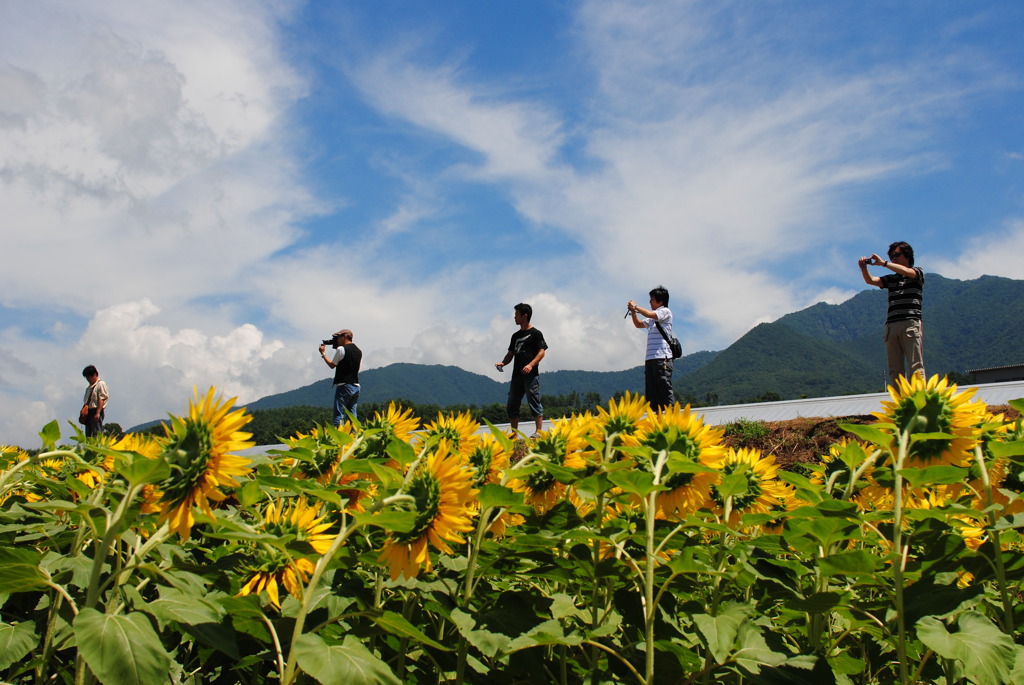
x: 967, y: 324
x: 773, y: 358
x: 820, y: 351
x: 446, y: 385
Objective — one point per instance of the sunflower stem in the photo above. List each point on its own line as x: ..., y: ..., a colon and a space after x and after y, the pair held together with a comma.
x: 997, y: 548
x: 899, y: 561
x: 650, y: 609
x: 290, y: 672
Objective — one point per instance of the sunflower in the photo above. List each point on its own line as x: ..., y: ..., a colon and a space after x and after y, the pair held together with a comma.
x: 834, y: 472
x: 395, y: 424
x: 198, y: 449
x: 933, y: 406
x: 141, y: 443
x: 488, y: 461
x: 324, y: 454
x: 10, y: 456
x: 561, y: 446
x: 272, y: 566
x: 458, y: 431
x: 764, y: 491
x: 1007, y: 476
x: 443, y: 494
x: 993, y: 428
x: 621, y: 420
x: 693, y: 447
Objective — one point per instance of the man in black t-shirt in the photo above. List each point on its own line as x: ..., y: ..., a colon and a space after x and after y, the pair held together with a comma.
x: 346, y: 362
x: 527, y: 349
x: 904, y: 333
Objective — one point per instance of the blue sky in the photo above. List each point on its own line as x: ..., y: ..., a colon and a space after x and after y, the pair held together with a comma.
x: 196, y: 193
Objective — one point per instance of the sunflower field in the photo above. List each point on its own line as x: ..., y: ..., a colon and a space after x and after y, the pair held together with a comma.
x: 622, y: 546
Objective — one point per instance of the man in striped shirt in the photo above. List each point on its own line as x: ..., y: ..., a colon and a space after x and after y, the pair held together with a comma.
x: 658, y: 362
x: 904, y: 336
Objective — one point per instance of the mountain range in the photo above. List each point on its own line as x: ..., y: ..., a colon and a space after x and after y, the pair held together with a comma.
x: 820, y: 351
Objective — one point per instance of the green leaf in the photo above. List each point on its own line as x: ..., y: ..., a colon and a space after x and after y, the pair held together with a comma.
x: 934, y: 475
x: 249, y: 494
x: 817, y: 603
x: 869, y: 434
x: 594, y: 484
x: 846, y: 664
x: 986, y: 652
x: 50, y: 434
x: 398, y: 521
x: 1017, y: 675
x: 1013, y: 448
x: 399, y: 625
x: 19, y: 570
x: 805, y: 489
x: 143, y: 470
x: 182, y: 607
x: 121, y: 650
x: 719, y: 632
x: 16, y: 640
x: 639, y: 483
x: 349, y: 663
x: 827, y: 530
x: 547, y: 633
x: 753, y: 652
x: 735, y: 483
x: 493, y: 495
x: 859, y: 562
x: 402, y: 452
x: 1018, y: 405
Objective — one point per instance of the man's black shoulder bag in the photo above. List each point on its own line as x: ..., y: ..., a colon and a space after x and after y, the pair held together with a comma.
x: 673, y: 343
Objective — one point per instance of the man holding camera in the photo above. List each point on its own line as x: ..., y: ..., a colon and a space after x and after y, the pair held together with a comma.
x: 658, y: 361
x: 347, y: 358
x: 904, y: 334
x: 527, y: 349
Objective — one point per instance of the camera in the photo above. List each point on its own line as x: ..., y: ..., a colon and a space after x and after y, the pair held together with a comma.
x: 329, y: 341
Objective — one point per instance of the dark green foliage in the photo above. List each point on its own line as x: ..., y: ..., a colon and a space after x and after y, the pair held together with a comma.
x: 746, y: 430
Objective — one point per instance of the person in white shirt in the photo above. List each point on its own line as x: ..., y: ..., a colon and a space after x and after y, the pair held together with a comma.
x: 95, y: 401
x: 658, y: 362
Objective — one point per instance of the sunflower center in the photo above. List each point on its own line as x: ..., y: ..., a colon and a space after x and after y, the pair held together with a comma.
x: 481, y: 460
x: 188, y: 453
x: 741, y: 500
x: 620, y: 424
x: 426, y: 491
x: 934, y: 415
x: 679, y: 480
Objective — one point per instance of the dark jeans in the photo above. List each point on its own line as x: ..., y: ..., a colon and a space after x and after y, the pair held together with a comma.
x: 658, y: 383
x: 346, y: 396
x: 524, y: 385
x: 94, y: 424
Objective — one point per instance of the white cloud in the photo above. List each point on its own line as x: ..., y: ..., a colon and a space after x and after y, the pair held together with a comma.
x: 714, y: 159
x: 139, y: 145
x: 989, y: 254
x: 151, y: 369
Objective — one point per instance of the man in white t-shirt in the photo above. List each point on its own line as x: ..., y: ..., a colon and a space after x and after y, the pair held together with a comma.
x: 658, y: 363
x: 95, y: 401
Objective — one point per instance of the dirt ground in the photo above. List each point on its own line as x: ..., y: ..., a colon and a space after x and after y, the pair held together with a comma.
x: 804, y: 440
